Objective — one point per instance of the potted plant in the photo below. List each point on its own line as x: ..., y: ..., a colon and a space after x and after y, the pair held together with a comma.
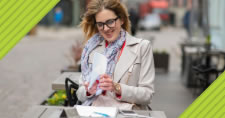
x: 161, y: 60
x: 58, y: 98
x: 74, y: 57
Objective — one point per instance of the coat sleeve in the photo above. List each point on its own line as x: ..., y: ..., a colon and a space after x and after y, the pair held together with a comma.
x: 81, y: 92
x: 142, y: 94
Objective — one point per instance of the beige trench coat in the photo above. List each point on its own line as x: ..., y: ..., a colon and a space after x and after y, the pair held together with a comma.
x: 134, y: 71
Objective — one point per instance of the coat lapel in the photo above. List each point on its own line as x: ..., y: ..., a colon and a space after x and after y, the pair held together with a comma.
x: 127, y: 58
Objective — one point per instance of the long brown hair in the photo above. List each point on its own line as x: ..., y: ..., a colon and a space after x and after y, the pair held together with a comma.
x: 95, y: 6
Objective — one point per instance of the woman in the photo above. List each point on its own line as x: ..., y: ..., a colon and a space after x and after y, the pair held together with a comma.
x: 128, y: 82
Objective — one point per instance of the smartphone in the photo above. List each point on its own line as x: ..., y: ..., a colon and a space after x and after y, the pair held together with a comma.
x: 127, y: 112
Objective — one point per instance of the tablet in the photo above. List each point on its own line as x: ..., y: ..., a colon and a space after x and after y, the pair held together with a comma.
x: 127, y: 112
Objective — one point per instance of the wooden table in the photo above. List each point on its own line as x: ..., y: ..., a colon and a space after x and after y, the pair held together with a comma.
x: 59, y: 83
x: 54, y: 112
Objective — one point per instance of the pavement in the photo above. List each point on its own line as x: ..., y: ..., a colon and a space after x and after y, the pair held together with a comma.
x: 28, y: 70
x: 171, y: 96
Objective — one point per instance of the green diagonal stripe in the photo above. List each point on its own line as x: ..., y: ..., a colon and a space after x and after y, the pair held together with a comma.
x: 211, y: 103
x: 18, y: 17
x: 24, y: 16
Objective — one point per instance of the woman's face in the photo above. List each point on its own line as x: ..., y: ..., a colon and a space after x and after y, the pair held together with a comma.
x: 108, y: 24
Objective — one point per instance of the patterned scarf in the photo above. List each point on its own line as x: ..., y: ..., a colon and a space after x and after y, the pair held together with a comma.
x: 111, y: 52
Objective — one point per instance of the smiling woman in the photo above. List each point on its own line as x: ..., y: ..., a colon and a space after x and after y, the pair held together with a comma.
x: 113, y: 26
x: 128, y: 80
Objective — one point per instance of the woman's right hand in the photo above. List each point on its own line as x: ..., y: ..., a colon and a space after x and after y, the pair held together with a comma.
x: 93, y: 89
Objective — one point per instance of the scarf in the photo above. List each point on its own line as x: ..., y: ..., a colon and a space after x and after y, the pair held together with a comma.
x: 111, y: 52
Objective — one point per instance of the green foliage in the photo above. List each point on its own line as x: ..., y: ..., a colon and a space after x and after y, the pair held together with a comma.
x: 208, y: 39
x: 58, y: 98
x: 156, y: 51
x: 164, y: 52
x: 160, y: 52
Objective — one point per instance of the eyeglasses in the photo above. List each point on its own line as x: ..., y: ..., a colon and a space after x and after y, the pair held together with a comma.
x: 111, y: 23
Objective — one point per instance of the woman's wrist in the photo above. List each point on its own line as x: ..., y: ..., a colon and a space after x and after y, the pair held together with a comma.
x: 117, y: 88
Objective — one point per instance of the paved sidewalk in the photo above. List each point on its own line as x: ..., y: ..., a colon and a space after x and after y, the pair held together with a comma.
x: 29, y: 68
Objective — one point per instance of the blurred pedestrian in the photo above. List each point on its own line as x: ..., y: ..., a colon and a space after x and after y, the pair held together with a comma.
x: 134, y: 18
x: 130, y: 73
x: 58, y: 16
x: 186, y: 22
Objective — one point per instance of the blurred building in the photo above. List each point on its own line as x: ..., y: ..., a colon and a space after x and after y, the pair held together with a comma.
x: 179, y: 7
x: 74, y: 9
x: 207, y: 16
x: 172, y: 10
x: 216, y: 15
x: 208, y: 19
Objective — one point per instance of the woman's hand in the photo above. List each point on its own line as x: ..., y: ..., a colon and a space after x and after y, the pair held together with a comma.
x: 92, y: 89
x: 106, y: 83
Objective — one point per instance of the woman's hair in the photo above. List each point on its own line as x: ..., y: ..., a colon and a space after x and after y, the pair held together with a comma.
x: 94, y: 7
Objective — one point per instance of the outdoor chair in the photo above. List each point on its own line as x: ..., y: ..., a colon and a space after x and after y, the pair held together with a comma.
x: 207, y: 69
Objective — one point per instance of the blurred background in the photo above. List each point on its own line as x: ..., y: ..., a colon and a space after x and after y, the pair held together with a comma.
x: 188, y: 42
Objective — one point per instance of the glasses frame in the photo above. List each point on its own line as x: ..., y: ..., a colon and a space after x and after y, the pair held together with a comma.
x: 105, y: 23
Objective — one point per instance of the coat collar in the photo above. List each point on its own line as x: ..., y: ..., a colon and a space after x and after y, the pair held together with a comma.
x: 127, y: 58
x: 130, y: 40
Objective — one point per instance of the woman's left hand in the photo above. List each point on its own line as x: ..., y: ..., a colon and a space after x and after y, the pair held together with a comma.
x: 106, y: 83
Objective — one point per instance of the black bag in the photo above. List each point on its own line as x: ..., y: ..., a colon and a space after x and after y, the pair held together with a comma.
x: 71, y: 88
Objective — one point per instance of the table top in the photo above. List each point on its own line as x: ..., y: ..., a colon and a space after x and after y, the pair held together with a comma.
x: 59, y: 83
x: 193, y: 43
x: 39, y: 111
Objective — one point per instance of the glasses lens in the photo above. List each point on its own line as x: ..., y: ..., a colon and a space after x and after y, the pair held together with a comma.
x: 100, y: 25
x: 110, y: 23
